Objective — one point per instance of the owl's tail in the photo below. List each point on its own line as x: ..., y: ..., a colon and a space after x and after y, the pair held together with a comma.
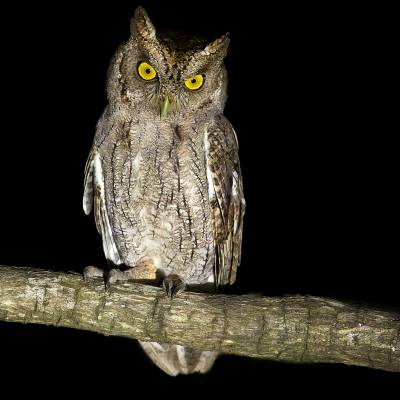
x: 175, y: 359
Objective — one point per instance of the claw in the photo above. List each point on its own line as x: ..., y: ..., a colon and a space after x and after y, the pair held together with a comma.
x: 107, y: 283
x: 173, y: 285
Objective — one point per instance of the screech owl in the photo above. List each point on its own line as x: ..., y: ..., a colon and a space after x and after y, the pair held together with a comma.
x: 163, y: 174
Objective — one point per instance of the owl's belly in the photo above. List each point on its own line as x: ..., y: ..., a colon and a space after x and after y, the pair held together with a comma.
x: 160, y: 213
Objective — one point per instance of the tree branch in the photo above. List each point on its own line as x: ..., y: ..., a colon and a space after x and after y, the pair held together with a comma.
x: 292, y: 329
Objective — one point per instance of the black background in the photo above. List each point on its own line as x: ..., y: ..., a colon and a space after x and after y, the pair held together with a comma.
x: 305, y: 96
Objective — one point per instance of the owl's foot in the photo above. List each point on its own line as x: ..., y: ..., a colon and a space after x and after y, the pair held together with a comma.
x: 143, y: 273
x: 91, y: 272
x: 115, y: 275
x: 173, y: 285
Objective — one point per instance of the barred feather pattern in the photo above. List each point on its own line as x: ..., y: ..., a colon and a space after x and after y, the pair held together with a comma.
x: 227, y: 201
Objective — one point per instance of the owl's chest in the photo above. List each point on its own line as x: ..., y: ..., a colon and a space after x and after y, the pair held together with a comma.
x: 157, y: 192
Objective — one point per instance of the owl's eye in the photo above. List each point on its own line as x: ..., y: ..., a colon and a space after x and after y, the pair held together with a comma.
x: 146, y: 71
x: 194, y: 83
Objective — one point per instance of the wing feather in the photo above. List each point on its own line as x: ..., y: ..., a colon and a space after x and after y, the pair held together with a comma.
x: 226, y: 198
x: 94, y: 194
x: 88, y: 185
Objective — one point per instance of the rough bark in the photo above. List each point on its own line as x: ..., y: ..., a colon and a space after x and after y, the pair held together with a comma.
x: 292, y: 329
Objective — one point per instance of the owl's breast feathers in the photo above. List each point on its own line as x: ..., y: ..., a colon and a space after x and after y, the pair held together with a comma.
x: 169, y: 193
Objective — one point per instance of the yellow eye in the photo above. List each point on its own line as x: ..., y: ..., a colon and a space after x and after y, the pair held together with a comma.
x: 146, y: 71
x: 194, y: 83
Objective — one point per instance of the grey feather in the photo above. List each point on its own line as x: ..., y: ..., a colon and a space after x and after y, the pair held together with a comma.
x: 167, y: 192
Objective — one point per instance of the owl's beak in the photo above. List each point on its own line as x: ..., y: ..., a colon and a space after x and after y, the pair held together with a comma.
x: 165, y: 106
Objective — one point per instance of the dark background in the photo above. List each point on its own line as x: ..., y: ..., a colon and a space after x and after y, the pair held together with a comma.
x: 307, y: 96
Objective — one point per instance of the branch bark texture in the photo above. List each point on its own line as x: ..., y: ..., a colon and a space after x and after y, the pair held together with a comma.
x: 292, y: 328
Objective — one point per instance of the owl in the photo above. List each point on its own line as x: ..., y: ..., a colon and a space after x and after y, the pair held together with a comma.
x: 163, y: 175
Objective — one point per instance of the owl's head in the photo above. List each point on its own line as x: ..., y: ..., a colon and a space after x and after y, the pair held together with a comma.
x: 167, y: 74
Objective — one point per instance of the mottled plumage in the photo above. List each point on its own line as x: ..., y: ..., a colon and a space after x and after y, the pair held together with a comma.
x: 167, y: 189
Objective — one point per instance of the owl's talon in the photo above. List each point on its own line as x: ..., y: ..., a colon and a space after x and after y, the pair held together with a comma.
x: 107, y: 283
x: 173, y: 285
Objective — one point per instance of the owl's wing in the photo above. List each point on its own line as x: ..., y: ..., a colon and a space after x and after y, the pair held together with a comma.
x: 94, y: 194
x: 88, y: 184
x: 226, y: 198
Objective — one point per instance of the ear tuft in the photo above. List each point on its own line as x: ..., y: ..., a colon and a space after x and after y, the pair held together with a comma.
x: 218, y: 47
x: 142, y: 25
